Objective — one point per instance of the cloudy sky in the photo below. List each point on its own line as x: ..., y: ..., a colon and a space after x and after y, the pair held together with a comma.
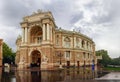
x: 98, y: 19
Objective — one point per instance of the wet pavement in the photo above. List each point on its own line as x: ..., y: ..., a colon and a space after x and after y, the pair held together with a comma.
x: 54, y: 75
x: 110, y: 76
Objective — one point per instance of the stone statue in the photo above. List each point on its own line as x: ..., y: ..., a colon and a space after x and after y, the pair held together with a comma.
x: 45, y: 59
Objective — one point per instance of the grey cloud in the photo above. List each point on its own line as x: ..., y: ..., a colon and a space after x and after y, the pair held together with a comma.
x: 66, y: 17
x: 76, y: 17
x: 91, y: 5
x: 63, y: 12
x: 111, y: 10
x: 102, y: 19
x: 12, y: 12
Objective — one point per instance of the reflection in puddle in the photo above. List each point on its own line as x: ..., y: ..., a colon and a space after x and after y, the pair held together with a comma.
x: 48, y: 76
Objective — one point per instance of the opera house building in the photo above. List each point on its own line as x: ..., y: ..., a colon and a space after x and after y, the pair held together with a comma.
x: 44, y: 45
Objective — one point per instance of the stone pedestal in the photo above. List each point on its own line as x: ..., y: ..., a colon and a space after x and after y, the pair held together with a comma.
x: 21, y: 65
x: 44, y: 65
x: 50, y: 65
x: 60, y: 66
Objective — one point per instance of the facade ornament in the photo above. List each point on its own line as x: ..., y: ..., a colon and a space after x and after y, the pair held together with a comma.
x: 45, y: 59
x: 39, y: 11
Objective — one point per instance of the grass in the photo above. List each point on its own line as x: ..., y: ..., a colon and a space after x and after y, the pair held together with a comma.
x: 112, y: 68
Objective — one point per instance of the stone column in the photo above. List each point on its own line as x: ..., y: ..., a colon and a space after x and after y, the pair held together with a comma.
x: 74, y: 42
x: 51, y: 33
x: 88, y: 46
x: 25, y: 34
x: 91, y: 47
x: 48, y: 32
x: 80, y: 43
x: 85, y: 45
x: 43, y: 31
x: 29, y: 37
x: 86, y: 58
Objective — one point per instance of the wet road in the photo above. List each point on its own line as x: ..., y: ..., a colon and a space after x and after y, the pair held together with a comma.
x: 65, y: 75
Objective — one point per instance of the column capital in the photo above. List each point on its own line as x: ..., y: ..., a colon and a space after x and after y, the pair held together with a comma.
x: 24, y: 24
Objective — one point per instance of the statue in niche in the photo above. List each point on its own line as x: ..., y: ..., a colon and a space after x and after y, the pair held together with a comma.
x: 45, y: 59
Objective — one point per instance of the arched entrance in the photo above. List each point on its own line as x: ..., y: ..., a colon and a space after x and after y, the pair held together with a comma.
x: 35, y: 58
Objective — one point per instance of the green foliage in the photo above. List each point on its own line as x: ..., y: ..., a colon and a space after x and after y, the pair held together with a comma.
x: 112, y: 68
x: 106, y: 60
x: 8, y: 54
x: 116, y: 61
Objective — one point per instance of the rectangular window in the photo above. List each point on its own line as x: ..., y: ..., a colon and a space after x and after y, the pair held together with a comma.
x: 67, y: 54
x: 39, y: 39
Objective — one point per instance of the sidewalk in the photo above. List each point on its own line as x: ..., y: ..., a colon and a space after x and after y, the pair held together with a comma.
x: 110, y: 76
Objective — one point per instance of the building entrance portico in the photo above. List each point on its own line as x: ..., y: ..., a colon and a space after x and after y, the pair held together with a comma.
x: 35, y: 59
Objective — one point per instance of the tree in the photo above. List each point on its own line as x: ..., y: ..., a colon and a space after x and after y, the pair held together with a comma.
x: 116, y: 61
x: 8, y: 54
x: 106, y: 60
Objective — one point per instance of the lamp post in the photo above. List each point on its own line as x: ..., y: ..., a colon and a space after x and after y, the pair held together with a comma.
x: 60, y: 55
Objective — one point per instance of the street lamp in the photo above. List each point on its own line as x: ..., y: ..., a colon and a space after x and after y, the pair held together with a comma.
x: 60, y: 56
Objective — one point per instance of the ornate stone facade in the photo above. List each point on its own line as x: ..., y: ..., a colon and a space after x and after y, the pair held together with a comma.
x: 43, y: 44
x: 1, y: 41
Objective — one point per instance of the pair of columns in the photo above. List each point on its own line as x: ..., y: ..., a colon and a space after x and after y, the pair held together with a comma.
x: 47, y: 32
x: 24, y: 37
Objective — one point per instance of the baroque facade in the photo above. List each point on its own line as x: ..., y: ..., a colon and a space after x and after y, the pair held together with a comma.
x: 43, y: 44
x: 1, y: 42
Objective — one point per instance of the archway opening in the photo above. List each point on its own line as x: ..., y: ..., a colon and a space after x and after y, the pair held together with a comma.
x: 35, y: 58
x: 36, y: 35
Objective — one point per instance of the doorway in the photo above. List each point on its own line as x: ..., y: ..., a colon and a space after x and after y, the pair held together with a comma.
x: 35, y: 59
x: 68, y: 63
x: 78, y: 63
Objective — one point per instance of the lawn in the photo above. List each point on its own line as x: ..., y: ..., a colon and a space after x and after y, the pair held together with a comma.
x: 112, y: 68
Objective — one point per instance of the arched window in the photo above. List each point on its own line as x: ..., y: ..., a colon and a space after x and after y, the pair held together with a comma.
x: 67, y: 42
x: 83, y: 44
